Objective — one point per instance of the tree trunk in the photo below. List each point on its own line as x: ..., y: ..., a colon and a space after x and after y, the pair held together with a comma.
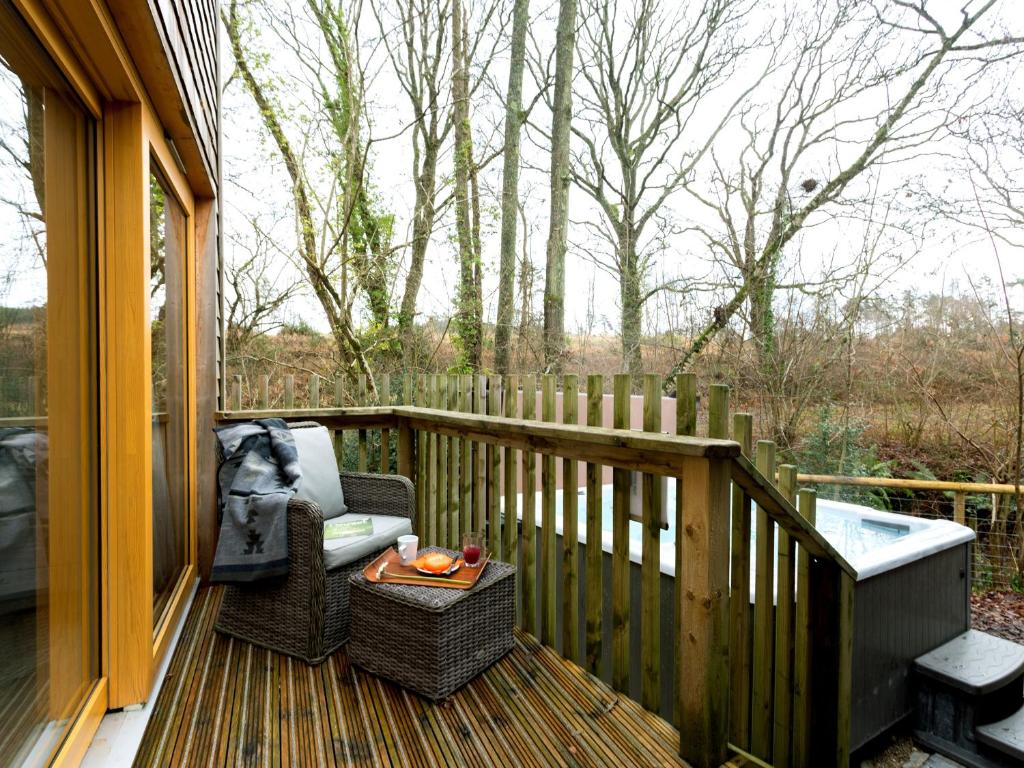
x: 467, y: 314
x: 424, y: 213
x: 762, y: 318
x: 630, y: 288
x: 554, y: 276
x: 510, y: 187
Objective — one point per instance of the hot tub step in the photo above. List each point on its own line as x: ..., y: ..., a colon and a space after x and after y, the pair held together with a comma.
x: 974, y: 662
x: 1006, y: 736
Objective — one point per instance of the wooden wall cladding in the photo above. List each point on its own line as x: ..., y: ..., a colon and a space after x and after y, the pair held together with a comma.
x: 174, y: 45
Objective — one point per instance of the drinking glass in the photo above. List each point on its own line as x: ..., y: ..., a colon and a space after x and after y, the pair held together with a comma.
x: 472, y: 546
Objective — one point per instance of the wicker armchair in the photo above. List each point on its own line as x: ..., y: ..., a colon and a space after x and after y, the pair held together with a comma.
x: 306, y: 613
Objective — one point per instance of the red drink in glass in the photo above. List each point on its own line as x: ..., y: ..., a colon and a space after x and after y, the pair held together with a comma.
x: 472, y: 546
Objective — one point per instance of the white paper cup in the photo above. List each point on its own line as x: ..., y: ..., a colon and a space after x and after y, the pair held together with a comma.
x: 407, y: 546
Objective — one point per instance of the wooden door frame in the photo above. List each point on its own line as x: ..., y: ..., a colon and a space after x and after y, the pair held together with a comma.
x: 83, y: 39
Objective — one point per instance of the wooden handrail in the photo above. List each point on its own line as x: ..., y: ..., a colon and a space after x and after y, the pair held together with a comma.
x: 767, y: 496
x: 332, y: 418
x: 626, y: 449
x: 908, y: 484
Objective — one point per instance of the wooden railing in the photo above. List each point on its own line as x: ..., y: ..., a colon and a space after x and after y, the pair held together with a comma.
x: 749, y: 670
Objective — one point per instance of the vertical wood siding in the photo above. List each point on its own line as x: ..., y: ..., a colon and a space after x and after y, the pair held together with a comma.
x: 188, y: 30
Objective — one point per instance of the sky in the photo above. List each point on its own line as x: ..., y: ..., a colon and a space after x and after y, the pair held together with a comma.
x: 937, y: 255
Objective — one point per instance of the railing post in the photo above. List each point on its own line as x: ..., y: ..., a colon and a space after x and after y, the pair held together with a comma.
x: 831, y: 667
x: 703, y: 664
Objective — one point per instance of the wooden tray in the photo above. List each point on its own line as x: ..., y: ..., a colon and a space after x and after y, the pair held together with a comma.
x: 464, y: 578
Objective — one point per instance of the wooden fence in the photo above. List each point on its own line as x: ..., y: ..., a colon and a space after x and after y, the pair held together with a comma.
x: 751, y: 664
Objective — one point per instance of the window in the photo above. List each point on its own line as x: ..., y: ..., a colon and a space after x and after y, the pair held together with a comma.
x: 167, y: 302
x: 48, y: 401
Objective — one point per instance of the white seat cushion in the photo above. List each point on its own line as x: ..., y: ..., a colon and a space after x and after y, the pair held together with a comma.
x: 386, y: 530
x: 319, y: 482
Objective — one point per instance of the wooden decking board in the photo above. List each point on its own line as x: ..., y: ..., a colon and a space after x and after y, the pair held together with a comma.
x: 635, y: 722
x: 579, y: 710
x: 228, y: 703
x: 576, y: 707
x: 504, y: 719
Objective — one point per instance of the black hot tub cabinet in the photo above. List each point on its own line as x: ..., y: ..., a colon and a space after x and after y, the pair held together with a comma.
x: 900, y: 614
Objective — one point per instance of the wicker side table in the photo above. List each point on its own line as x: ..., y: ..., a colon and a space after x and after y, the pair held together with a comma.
x: 430, y: 639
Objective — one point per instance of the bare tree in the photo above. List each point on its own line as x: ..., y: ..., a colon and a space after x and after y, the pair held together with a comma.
x: 258, y: 288
x: 341, y: 235
x: 560, y: 179
x: 421, y: 61
x: 514, y: 117
x: 646, y: 116
x: 814, y: 129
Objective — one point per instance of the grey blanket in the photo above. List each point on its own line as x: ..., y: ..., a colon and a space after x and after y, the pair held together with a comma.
x: 259, y: 474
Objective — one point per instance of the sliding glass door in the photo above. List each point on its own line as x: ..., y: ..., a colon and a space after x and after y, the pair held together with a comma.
x: 168, y: 230
x: 49, y: 646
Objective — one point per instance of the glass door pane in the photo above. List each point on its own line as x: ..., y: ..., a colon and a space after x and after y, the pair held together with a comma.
x: 167, y: 233
x: 49, y: 646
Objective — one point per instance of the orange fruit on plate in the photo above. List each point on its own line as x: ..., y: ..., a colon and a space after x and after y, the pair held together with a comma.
x: 434, y: 562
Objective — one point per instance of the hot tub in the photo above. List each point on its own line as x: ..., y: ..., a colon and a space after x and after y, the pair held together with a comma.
x: 912, y: 595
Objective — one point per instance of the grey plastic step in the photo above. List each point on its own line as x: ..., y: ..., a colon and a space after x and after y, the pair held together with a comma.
x: 1007, y: 735
x: 974, y: 662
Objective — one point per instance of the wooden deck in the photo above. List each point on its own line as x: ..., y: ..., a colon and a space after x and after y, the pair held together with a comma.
x: 229, y: 703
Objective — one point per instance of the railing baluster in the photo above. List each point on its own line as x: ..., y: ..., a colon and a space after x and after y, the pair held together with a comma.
x: 510, y: 545
x: 264, y: 392
x: 314, y: 390
x: 802, y: 715
x: 529, y: 577
x: 739, y: 600
x: 494, y: 473
x: 650, y: 564
x: 763, y: 658
x: 384, y: 393
x: 454, y: 464
x: 339, y: 434
x: 783, y: 686
x: 620, y: 544
x: 406, y: 437
x: 479, y: 459
x: 361, y: 401
x: 422, y: 465
x: 831, y: 654
x: 289, y: 391
x: 595, y: 534
x: 440, y: 486
x: 547, y: 518
x: 718, y: 411
x: 570, y: 529
x: 686, y: 424
x: 465, y: 398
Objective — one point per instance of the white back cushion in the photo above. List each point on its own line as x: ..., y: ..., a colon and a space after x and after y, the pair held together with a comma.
x: 320, y: 482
